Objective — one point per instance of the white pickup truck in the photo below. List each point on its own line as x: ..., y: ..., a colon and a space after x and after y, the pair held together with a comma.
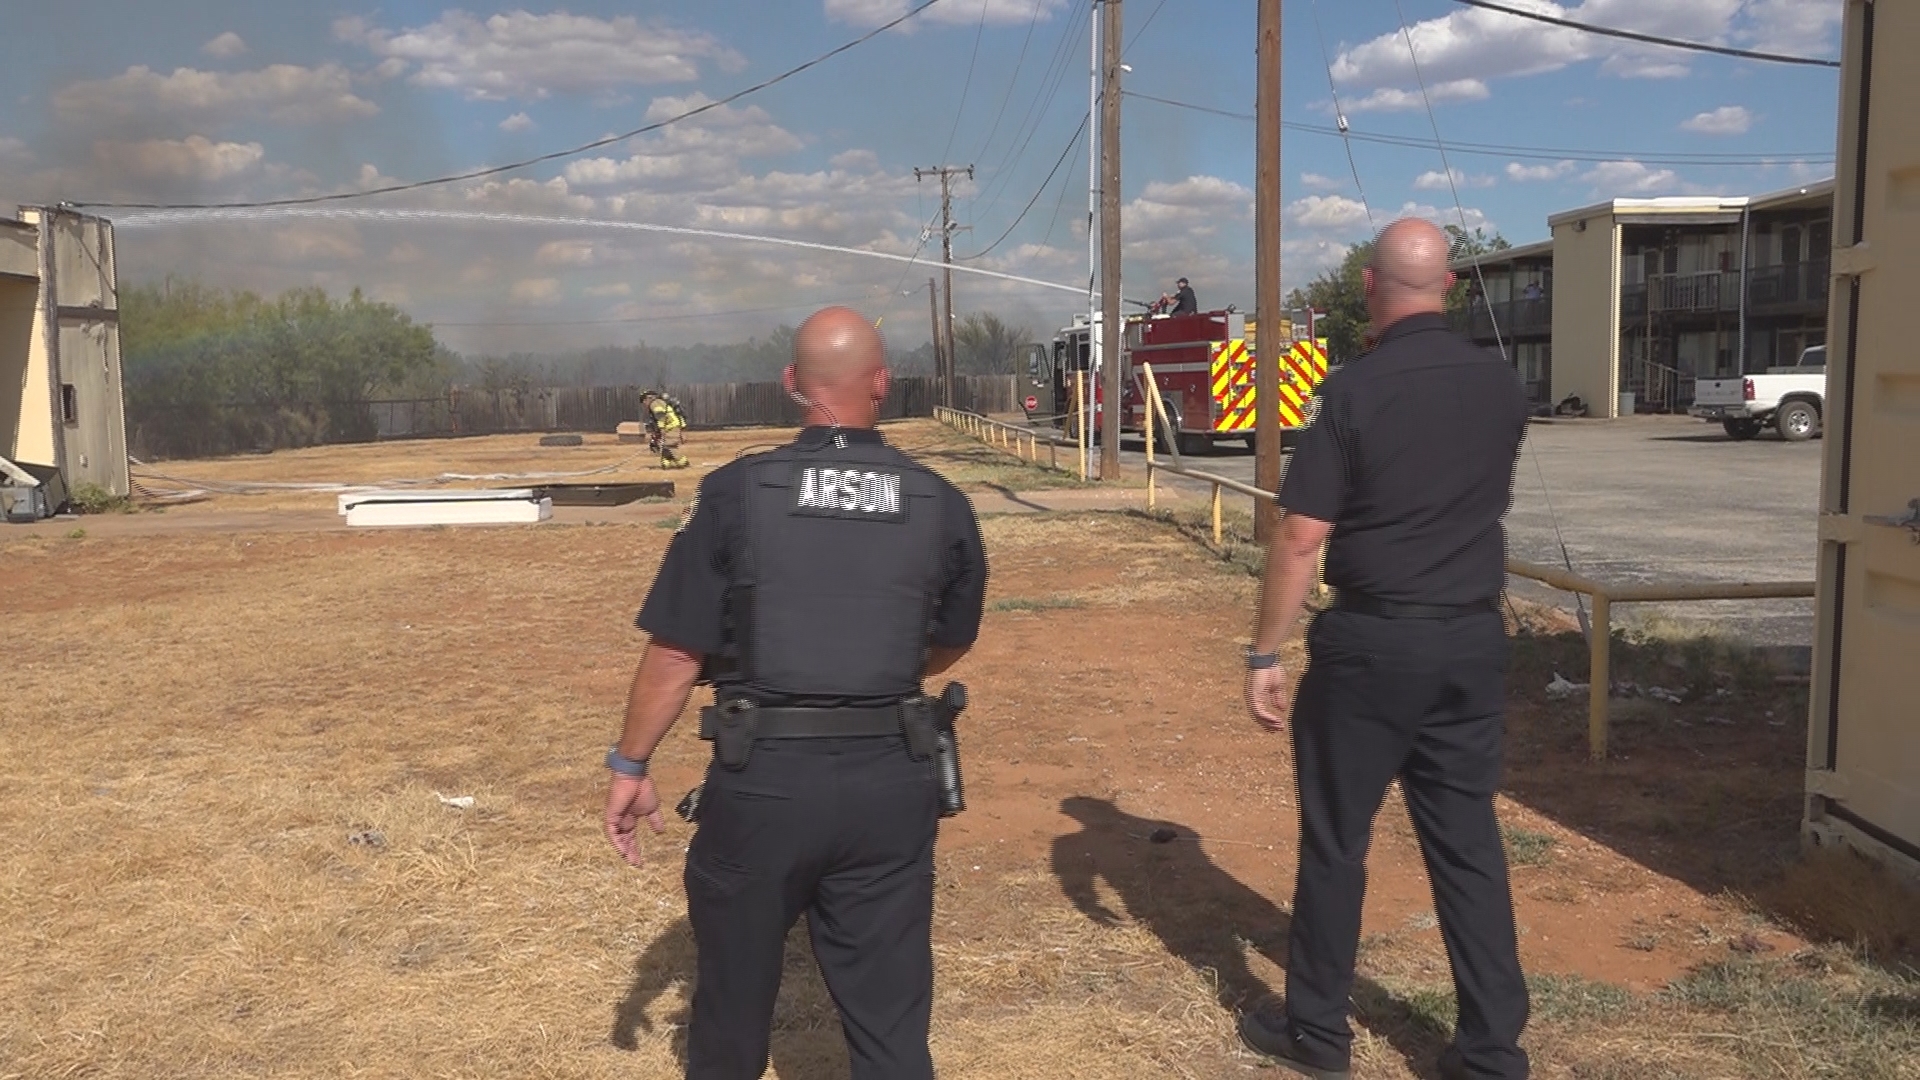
x: 1791, y: 400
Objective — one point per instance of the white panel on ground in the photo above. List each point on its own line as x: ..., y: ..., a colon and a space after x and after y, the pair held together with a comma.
x: 514, y: 507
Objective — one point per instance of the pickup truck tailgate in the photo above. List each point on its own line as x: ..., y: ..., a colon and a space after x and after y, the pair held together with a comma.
x: 1719, y: 392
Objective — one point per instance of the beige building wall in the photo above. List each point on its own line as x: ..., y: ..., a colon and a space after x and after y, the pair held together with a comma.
x: 19, y: 298
x: 1586, y: 312
x: 60, y: 378
x: 1863, y: 747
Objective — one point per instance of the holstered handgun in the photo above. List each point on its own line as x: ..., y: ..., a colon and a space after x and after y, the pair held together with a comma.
x: 946, y: 748
x: 734, y: 725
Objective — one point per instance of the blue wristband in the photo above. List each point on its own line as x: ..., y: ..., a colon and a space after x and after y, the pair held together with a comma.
x: 1261, y: 661
x: 625, y: 766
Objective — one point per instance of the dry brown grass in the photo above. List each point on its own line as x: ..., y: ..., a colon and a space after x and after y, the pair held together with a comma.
x: 198, y: 727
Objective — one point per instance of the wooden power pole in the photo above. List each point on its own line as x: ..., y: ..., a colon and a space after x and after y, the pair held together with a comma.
x: 939, y: 346
x: 1268, y: 345
x: 946, y: 174
x: 1112, y: 321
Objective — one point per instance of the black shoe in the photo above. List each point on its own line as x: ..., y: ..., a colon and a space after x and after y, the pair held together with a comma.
x: 1283, y: 1045
x: 1453, y: 1066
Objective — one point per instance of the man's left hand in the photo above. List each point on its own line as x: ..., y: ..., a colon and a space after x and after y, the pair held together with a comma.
x: 1269, y: 697
x: 630, y: 798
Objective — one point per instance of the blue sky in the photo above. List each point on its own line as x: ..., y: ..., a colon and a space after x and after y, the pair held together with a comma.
x: 217, y: 101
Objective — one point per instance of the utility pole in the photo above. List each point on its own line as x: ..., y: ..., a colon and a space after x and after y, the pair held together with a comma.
x: 1112, y: 321
x: 1268, y: 346
x: 946, y: 173
x: 939, y: 348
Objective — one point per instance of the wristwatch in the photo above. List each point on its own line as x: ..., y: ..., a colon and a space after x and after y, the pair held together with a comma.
x: 1261, y: 661
x: 625, y: 766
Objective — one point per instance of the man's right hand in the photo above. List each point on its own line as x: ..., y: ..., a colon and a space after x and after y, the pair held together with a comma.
x: 630, y: 798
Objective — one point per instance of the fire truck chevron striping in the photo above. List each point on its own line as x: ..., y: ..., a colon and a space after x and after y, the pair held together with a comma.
x: 1204, y: 364
x: 1301, y: 369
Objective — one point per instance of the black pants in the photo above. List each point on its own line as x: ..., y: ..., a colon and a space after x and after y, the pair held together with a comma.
x: 1420, y: 699
x: 841, y: 830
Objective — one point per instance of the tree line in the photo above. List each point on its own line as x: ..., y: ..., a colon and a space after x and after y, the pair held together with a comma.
x: 1340, y: 294
x: 210, y: 371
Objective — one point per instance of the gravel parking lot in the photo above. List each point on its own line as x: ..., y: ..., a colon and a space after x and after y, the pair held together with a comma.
x: 1659, y: 498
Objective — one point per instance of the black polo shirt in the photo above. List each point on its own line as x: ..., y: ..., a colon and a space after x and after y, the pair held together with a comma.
x: 1411, y: 458
x: 687, y: 603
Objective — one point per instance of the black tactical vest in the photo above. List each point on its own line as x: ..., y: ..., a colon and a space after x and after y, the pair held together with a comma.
x: 841, y: 571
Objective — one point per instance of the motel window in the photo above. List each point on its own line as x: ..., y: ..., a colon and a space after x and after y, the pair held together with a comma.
x: 69, y: 404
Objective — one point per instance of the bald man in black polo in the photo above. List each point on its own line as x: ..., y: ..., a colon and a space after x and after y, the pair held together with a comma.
x: 1406, y: 475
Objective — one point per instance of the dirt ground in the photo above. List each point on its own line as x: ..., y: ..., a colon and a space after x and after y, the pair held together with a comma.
x: 226, y: 753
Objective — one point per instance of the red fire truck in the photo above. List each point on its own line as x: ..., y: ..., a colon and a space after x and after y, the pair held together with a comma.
x: 1204, y: 364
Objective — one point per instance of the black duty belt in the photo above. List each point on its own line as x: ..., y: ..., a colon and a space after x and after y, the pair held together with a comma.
x: 800, y: 723
x: 1362, y: 604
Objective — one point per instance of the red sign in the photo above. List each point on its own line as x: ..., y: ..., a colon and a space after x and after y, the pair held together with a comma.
x: 1032, y: 403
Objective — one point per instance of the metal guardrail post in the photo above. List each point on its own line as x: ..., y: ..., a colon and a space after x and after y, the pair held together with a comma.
x: 1600, y: 677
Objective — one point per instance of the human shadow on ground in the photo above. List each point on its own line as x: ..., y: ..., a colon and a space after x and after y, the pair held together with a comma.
x: 807, y: 1043
x: 1204, y: 915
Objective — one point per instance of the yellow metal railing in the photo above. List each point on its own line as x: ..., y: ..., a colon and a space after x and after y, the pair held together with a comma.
x: 1600, y: 640
x: 1603, y: 595
x: 1022, y: 442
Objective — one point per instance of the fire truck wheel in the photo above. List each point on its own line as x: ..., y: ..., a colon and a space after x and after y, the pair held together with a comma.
x: 1195, y: 445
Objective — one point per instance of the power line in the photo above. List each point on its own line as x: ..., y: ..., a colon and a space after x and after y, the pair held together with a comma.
x: 1481, y: 277
x: 1544, y: 153
x: 1044, y: 93
x: 1651, y: 39
x: 1340, y: 115
x: 967, y: 86
x: 554, y: 156
x: 1019, y: 65
x: 1071, y: 143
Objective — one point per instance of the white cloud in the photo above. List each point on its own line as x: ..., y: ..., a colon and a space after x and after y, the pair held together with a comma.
x: 949, y: 12
x: 1477, y: 45
x: 1725, y: 120
x: 1316, y: 182
x: 1792, y: 26
x: 618, y: 288
x: 1617, y: 179
x: 1327, y: 212
x: 14, y: 149
x: 865, y: 160
x: 565, y: 253
x: 1435, y: 180
x: 1443, y: 217
x: 1533, y: 173
x: 1392, y: 99
x: 705, y: 150
x: 517, y: 122
x: 226, y: 45
x: 193, y: 158
x: 535, y: 290
x: 306, y: 244
x: 521, y: 55
x: 283, y: 93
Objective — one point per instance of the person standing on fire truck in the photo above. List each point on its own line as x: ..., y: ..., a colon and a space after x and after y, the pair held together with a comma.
x: 1184, y: 302
x: 1406, y: 672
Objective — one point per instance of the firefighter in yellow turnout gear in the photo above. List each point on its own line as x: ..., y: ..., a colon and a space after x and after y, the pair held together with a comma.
x: 666, y: 427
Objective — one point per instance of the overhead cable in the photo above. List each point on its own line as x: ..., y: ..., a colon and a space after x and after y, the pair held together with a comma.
x: 973, y: 59
x: 1542, y: 153
x: 1650, y: 39
x: 556, y: 155
x: 1340, y: 115
x: 1071, y: 143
